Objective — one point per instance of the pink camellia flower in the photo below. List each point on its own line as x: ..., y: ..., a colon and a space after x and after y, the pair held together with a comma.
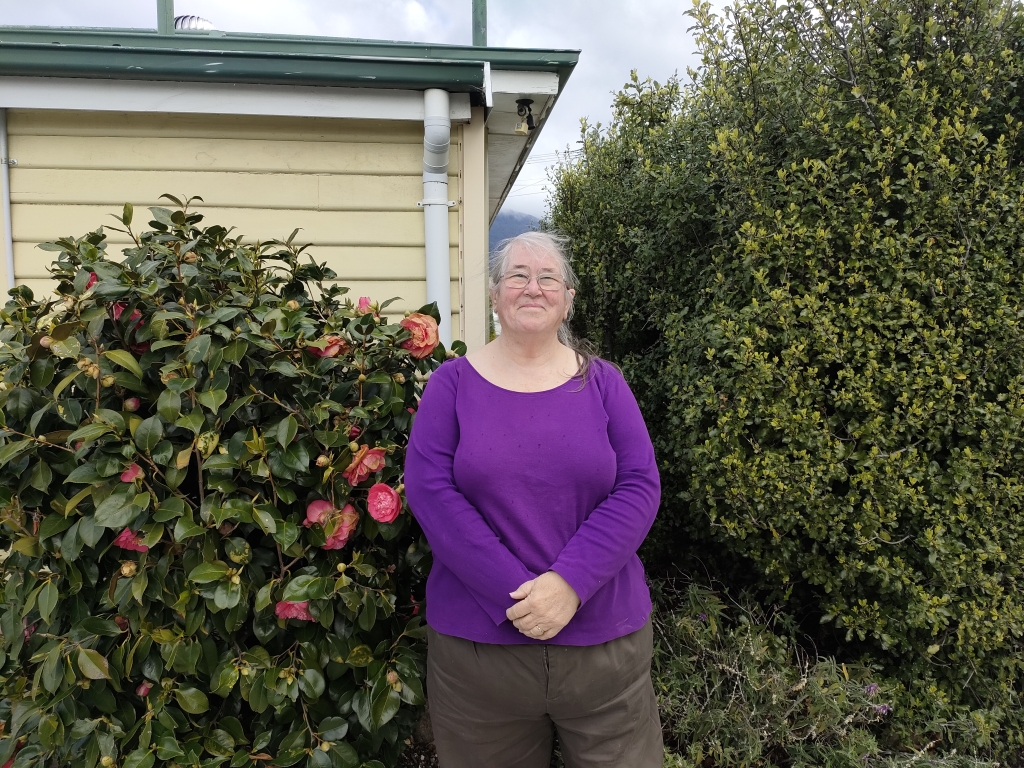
x: 347, y: 521
x: 133, y: 473
x: 288, y: 609
x: 364, y: 304
x: 384, y: 503
x: 333, y: 346
x: 127, y: 539
x: 317, y: 512
x: 424, y: 335
x: 144, y: 688
x: 365, y: 462
x: 354, y: 431
x: 93, y: 279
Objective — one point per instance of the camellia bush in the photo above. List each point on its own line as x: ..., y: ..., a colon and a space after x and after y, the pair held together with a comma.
x: 808, y: 260
x: 208, y: 556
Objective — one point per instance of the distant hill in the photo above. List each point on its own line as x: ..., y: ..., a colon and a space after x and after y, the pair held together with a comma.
x: 509, y: 224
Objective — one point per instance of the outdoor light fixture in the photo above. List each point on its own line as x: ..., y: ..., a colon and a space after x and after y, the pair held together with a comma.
x: 526, y: 123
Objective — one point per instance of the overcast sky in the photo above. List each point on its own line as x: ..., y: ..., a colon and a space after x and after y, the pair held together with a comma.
x: 614, y: 36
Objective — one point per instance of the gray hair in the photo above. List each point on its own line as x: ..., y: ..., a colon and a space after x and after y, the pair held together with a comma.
x: 557, y: 245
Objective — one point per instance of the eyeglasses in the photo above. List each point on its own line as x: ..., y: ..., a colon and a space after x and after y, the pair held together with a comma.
x: 518, y: 280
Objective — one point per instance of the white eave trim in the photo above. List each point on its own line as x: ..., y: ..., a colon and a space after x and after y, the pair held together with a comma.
x: 95, y: 95
x: 532, y: 82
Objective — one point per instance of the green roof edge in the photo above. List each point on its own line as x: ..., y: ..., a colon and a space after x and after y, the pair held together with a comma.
x: 257, y: 58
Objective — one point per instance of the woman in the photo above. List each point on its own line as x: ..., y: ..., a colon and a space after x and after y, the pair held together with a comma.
x: 532, y: 474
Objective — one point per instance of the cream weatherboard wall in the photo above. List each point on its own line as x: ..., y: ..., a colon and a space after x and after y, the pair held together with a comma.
x: 351, y: 185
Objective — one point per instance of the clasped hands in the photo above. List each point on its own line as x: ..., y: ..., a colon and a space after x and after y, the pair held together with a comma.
x: 546, y: 604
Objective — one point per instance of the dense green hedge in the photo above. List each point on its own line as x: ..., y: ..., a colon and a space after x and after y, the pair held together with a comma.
x: 809, y: 263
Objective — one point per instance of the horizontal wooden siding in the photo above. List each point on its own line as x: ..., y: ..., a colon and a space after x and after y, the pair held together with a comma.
x: 351, y: 185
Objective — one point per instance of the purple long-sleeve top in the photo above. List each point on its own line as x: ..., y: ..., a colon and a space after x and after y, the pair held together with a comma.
x: 508, y: 485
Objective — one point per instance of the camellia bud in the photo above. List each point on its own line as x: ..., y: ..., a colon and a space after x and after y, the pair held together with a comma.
x: 322, y: 460
x: 45, y: 342
x: 362, y: 377
x: 132, y: 404
x: 293, y: 304
x: 190, y: 258
x: 107, y: 381
x: 106, y: 761
x: 325, y: 746
x: 399, y: 378
x: 122, y: 623
x: 353, y: 446
x: 93, y: 372
x: 83, y: 364
x: 129, y: 568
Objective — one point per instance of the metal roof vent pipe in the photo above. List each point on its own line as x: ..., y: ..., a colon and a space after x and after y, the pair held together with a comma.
x: 192, y: 23
x: 437, y: 137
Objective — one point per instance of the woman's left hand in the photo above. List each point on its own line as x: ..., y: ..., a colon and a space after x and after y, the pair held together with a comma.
x: 546, y: 604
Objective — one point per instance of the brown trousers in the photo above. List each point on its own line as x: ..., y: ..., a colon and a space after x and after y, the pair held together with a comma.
x: 496, y: 706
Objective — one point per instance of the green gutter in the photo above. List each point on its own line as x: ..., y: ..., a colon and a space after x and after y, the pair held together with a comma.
x: 250, y: 58
x: 34, y: 60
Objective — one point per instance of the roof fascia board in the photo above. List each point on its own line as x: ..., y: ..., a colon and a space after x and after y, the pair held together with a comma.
x: 500, y: 58
x: 525, y: 82
x: 35, y: 60
x: 219, y: 98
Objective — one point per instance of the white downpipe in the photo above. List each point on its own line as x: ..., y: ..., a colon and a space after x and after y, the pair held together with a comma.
x: 5, y: 191
x: 437, y: 131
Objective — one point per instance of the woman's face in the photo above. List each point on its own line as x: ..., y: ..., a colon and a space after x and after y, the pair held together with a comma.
x: 533, y: 309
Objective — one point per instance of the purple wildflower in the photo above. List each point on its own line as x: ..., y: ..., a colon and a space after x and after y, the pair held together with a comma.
x: 882, y: 709
x: 871, y: 689
x: 703, y: 617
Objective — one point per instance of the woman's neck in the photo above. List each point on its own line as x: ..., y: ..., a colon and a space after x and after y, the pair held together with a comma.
x: 530, y: 352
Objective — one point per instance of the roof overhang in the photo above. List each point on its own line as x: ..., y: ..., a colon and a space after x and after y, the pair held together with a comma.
x: 231, y: 73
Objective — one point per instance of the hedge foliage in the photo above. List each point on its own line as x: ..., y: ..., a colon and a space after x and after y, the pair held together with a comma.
x: 207, y: 557
x: 808, y: 261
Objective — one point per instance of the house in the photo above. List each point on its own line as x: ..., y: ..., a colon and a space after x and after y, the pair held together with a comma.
x: 392, y: 157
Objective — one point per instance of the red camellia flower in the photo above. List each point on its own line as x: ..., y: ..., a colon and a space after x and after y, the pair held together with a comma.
x: 333, y: 346
x: 347, y: 521
x: 317, y: 512
x: 93, y: 279
x: 354, y: 431
x: 126, y: 539
x: 133, y: 473
x: 140, y: 348
x: 365, y: 462
x: 364, y: 304
x: 424, y: 335
x: 384, y: 503
x: 288, y: 609
x: 117, y: 309
x: 144, y: 688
